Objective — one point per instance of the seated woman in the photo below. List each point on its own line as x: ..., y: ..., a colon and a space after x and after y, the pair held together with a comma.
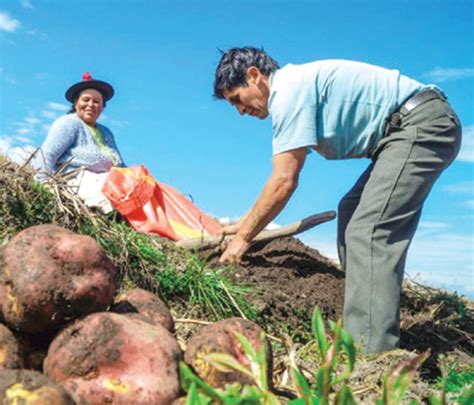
x: 77, y: 141
x: 80, y: 141
x: 78, y: 137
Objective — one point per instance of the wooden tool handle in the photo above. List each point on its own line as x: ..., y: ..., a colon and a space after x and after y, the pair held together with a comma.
x: 289, y: 230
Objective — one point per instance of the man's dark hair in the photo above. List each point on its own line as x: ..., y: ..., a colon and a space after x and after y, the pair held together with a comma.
x: 232, y: 69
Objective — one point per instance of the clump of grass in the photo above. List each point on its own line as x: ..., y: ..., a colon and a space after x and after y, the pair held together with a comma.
x: 209, y: 289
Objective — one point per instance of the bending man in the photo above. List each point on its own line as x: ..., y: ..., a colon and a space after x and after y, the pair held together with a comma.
x: 343, y: 109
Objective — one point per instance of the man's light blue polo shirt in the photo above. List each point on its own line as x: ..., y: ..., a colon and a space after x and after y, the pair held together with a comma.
x: 337, y: 107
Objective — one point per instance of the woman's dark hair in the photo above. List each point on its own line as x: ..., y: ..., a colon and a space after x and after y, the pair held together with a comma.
x: 232, y: 69
x: 76, y: 96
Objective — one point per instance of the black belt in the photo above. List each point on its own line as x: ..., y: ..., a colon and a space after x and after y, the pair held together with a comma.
x: 419, y: 99
x: 413, y: 102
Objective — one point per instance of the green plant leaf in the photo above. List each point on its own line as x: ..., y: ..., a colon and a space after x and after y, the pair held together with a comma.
x: 270, y: 399
x: 467, y: 398
x: 188, y: 378
x: 224, y: 362
x: 319, y: 332
x: 257, y: 359
x: 347, y: 344
x: 398, y: 380
x: 349, y: 347
x: 322, y: 384
x: 344, y: 396
x: 297, y: 401
x: 302, y: 386
x: 194, y: 398
x: 249, y: 350
x: 442, y: 399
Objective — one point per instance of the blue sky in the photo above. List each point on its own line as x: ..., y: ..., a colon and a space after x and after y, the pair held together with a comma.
x: 161, y: 55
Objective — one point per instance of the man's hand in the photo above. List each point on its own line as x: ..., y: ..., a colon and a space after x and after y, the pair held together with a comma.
x: 234, y: 251
x: 274, y: 196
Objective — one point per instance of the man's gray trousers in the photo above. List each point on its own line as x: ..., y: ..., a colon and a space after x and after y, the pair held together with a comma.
x: 379, y: 215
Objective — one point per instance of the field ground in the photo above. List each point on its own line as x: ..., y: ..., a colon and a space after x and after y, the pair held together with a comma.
x: 278, y: 285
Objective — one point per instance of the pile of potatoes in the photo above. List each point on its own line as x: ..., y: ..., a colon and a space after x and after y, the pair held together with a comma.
x: 66, y: 337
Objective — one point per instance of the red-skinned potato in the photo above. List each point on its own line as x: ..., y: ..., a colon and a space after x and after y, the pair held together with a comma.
x: 144, y: 305
x: 10, y: 350
x: 220, y: 338
x: 31, y: 388
x: 111, y: 358
x: 50, y: 275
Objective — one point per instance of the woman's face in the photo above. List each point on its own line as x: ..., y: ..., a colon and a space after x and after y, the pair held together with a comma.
x: 89, y: 105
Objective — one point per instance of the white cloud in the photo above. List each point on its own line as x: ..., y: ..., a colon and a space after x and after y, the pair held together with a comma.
x: 26, y: 4
x: 49, y: 114
x: 321, y: 243
x: 10, y: 79
x: 22, y: 139
x: 469, y: 204
x: 32, y: 124
x: 463, y: 187
x: 467, y: 148
x: 18, y: 154
x: 32, y: 120
x: 8, y: 23
x: 114, y: 123
x: 328, y: 249
x: 45, y: 128
x: 58, y: 106
x: 433, y: 225
x: 439, y: 74
x: 229, y: 221
x: 445, y: 282
x: 37, y: 34
x: 23, y: 131
x: 443, y: 260
x: 439, y: 258
x: 271, y: 226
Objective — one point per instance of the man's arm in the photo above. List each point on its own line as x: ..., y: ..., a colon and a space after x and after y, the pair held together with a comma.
x: 274, y: 196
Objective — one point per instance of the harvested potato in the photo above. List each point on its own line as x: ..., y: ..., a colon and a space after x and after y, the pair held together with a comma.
x: 50, y: 275
x: 112, y: 358
x: 31, y: 388
x: 10, y: 350
x: 146, y: 305
x: 220, y: 338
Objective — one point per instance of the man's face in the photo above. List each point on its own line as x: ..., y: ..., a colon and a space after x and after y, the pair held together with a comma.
x: 252, y: 99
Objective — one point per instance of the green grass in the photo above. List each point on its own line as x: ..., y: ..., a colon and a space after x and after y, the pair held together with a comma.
x: 456, y: 381
x: 209, y: 289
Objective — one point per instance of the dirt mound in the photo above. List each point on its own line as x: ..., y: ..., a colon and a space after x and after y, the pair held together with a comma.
x: 290, y: 279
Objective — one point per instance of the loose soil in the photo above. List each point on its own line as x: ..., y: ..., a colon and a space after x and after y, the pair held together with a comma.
x: 291, y: 278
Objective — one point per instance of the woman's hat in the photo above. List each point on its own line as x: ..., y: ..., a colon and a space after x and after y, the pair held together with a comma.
x: 88, y: 82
